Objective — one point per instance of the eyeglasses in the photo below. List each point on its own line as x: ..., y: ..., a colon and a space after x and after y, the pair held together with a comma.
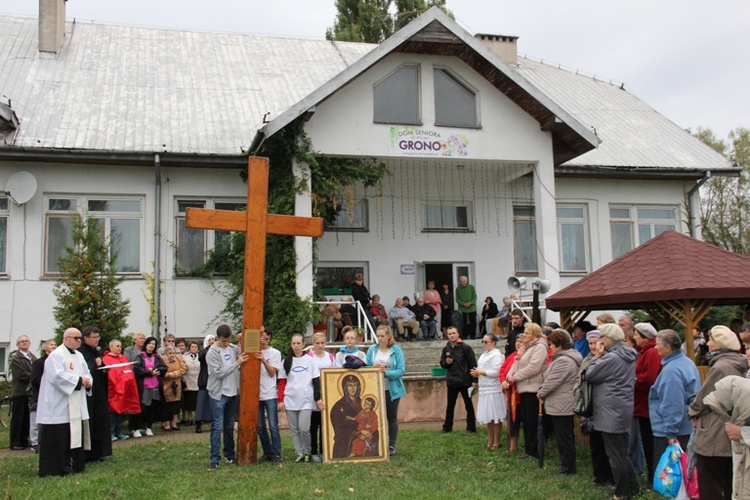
x: 75, y: 338
x: 168, y: 340
x: 23, y: 341
x: 486, y: 342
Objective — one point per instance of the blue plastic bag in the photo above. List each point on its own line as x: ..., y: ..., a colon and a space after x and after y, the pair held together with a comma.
x: 668, y: 476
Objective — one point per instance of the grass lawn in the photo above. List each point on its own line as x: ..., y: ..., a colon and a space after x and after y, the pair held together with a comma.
x: 428, y: 465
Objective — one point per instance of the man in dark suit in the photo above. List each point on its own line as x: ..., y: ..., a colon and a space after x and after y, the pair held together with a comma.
x: 20, y: 366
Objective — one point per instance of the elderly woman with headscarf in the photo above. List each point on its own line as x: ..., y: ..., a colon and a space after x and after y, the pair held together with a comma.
x: 712, y: 447
x: 203, y: 406
x: 612, y: 377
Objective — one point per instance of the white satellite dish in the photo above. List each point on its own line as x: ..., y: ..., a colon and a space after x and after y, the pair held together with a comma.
x: 21, y: 187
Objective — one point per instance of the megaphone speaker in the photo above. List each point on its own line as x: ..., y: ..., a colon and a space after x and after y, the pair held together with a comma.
x: 515, y: 283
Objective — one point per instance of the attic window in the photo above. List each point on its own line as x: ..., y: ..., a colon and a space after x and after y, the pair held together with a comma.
x: 397, y: 97
x: 455, y: 103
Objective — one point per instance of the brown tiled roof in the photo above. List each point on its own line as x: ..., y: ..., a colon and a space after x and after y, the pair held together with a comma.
x: 671, y: 266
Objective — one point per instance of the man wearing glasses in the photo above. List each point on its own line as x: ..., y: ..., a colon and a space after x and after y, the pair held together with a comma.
x: 20, y: 365
x: 62, y: 413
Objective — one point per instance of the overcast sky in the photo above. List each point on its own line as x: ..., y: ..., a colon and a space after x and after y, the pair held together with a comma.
x: 689, y: 59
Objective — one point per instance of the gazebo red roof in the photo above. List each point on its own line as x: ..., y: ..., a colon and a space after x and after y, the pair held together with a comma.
x: 671, y: 266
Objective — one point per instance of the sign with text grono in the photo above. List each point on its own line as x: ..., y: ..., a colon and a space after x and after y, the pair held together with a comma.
x: 418, y: 141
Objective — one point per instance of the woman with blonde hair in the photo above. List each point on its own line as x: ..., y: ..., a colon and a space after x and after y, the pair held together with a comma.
x: 389, y: 357
x: 324, y: 360
x: 527, y: 375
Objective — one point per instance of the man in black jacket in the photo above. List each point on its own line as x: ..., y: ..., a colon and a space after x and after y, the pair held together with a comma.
x: 517, y: 326
x: 458, y: 358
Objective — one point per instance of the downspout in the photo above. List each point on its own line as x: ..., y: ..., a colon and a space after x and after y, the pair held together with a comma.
x: 157, y: 245
x: 691, y: 207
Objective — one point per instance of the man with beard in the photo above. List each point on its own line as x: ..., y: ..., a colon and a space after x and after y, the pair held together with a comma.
x: 348, y: 406
x: 101, y: 440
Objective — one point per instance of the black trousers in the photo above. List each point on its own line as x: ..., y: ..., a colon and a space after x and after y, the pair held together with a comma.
x: 316, y: 431
x: 470, y: 325
x: 714, y: 477
x: 626, y: 482
x: 19, y: 421
x: 530, y: 410
x: 647, y: 439
x: 391, y: 413
x: 566, y: 442
x: 471, y: 422
x: 55, y: 456
x: 599, y: 461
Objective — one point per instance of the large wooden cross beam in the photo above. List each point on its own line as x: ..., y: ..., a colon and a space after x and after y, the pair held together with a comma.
x: 256, y: 223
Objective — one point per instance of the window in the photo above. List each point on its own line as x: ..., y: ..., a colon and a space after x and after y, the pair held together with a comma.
x: 351, y: 218
x: 455, y: 103
x: 3, y: 359
x: 524, y: 237
x: 646, y: 222
x: 120, y: 219
x: 447, y: 218
x: 571, y: 231
x: 192, y: 245
x: 3, y: 234
x: 336, y: 278
x: 397, y: 97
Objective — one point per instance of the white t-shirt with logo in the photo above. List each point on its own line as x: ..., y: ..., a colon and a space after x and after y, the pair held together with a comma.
x: 268, y: 382
x: 298, y: 394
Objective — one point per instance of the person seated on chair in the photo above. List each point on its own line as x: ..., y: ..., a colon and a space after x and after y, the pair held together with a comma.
x: 401, y: 317
x: 407, y: 303
x: 380, y: 317
x: 426, y: 316
x: 332, y: 311
x: 348, y: 312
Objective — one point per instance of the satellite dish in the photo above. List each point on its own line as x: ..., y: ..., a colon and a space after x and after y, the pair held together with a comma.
x: 21, y: 187
x: 516, y: 283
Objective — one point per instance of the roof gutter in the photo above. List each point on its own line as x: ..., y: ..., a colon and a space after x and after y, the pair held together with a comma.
x: 609, y: 172
x: 145, y: 159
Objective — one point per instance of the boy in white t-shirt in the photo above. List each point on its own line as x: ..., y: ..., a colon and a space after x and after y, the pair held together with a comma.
x: 270, y: 362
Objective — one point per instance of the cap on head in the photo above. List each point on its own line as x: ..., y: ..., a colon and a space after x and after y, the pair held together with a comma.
x: 724, y: 338
x: 612, y: 332
x: 646, y: 330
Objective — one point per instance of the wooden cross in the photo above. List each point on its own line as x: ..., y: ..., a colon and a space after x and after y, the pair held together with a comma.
x: 256, y: 223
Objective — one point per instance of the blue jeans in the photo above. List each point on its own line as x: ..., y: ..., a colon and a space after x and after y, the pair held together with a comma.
x: 272, y: 446
x: 115, y: 424
x: 224, y: 411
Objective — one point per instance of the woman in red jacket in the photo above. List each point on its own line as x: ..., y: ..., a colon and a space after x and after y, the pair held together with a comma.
x: 512, y: 398
x: 647, y: 368
x: 122, y: 389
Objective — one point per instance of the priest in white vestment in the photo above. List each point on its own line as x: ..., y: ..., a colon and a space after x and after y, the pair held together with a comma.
x: 62, y: 414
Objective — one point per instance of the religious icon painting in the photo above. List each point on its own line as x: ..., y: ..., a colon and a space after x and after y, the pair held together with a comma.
x: 355, y: 428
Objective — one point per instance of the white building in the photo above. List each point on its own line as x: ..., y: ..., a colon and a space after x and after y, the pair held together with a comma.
x: 500, y: 166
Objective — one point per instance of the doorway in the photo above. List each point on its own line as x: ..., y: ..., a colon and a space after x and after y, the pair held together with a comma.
x: 441, y: 273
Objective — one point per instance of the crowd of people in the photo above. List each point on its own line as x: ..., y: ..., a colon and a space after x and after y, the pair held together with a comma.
x: 428, y: 318
x: 634, y: 387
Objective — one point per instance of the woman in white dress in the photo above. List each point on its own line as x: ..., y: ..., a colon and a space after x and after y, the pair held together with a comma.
x: 491, y: 409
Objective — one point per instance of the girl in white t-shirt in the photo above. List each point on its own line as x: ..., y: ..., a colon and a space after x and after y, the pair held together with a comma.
x: 323, y: 359
x: 299, y: 395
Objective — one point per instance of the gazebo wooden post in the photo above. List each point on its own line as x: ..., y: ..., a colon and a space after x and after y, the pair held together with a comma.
x: 687, y: 312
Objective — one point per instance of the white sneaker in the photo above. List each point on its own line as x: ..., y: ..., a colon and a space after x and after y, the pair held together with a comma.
x: 149, y: 432
x: 316, y: 459
x: 137, y: 433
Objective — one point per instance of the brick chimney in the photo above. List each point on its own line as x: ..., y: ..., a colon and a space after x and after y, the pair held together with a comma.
x: 504, y: 46
x: 51, y: 25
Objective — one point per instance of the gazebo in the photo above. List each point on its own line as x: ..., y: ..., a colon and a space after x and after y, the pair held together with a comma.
x: 673, y: 277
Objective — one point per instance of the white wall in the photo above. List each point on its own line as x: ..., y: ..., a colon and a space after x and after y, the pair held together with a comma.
x: 343, y: 124
x: 188, y: 304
